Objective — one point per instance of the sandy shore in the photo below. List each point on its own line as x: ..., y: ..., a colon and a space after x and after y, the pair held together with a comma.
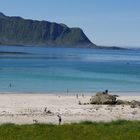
x: 26, y: 108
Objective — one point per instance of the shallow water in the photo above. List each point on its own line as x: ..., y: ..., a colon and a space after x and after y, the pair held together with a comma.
x: 40, y: 69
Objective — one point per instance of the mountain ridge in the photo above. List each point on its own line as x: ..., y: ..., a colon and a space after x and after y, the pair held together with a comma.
x: 16, y: 30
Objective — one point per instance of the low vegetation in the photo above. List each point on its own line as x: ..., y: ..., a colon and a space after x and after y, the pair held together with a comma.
x: 118, y: 130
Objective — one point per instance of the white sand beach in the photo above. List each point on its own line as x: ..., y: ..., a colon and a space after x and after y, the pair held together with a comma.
x: 29, y: 108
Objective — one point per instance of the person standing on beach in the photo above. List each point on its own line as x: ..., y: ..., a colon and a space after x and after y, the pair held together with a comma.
x: 59, y: 119
x: 10, y: 85
x: 67, y: 91
x: 45, y: 110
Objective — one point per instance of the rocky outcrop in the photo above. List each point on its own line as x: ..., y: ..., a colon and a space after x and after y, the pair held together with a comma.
x: 122, y: 102
x: 132, y: 103
x: 103, y: 98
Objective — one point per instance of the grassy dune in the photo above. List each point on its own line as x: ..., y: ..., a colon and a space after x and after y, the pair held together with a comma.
x: 118, y: 130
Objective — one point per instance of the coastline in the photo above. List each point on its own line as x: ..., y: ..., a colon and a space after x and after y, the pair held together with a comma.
x: 73, y: 93
x: 29, y: 108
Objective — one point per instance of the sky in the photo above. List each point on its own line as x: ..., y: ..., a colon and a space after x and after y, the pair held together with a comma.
x: 105, y: 22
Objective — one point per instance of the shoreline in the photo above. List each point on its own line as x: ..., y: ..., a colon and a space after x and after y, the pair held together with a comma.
x: 68, y: 94
x: 29, y: 108
x: 73, y: 93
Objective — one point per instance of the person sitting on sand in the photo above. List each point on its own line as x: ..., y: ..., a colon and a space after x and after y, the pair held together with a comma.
x: 105, y: 92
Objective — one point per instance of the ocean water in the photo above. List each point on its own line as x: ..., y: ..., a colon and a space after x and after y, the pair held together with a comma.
x: 54, y: 70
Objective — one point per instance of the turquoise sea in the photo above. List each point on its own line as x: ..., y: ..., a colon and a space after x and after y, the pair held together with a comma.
x: 46, y: 69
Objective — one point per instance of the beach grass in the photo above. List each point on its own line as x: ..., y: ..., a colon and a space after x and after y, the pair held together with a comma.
x: 116, y: 130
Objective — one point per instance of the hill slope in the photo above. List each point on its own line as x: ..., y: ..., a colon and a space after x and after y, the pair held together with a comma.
x: 19, y: 31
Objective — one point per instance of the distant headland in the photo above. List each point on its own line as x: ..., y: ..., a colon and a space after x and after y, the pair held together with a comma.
x: 19, y: 31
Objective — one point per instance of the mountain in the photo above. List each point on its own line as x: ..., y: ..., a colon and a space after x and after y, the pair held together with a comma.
x: 19, y: 31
